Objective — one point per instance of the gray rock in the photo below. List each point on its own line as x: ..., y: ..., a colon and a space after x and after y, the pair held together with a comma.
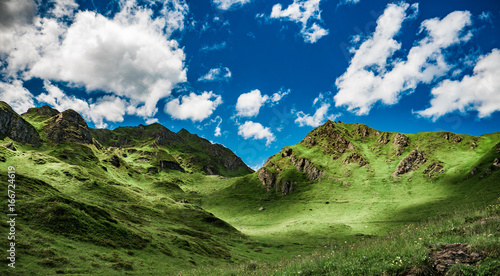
x: 16, y: 128
x: 10, y: 146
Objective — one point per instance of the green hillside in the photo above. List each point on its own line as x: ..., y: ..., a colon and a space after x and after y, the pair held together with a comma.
x: 145, y: 200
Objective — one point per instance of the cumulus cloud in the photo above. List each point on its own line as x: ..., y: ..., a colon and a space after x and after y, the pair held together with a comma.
x: 249, y: 104
x: 193, y: 107
x: 129, y: 56
x: 110, y: 108
x: 307, y: 14
x: 256, y: 131
x: 317, y: 119
x: 18, y: 97
x: 375, y: 75
x: 226, y: 4
x: 479, y: 92
x: 216, y: 74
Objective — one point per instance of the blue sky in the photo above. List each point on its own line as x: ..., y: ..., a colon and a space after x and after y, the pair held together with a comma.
x: 256, y: 75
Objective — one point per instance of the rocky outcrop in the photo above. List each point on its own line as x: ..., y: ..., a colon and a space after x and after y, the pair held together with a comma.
x: 333, y: 141
x: 170, y: 165
x: 68, y: 126
x: 355, y: 158
x: 384, y: 138
x: 270, y: 181
x: 287, y: 152
x: 363, y: 131
x: 269, y: 174
x: 115, y: 161
x: 10, y: 146
x: 401, y: 142
x: 305, y: 166
x: 433, y: 169
x: 451, y: 136
x: 16, y: 128
x: 410, y: 163
x: 496, y: 162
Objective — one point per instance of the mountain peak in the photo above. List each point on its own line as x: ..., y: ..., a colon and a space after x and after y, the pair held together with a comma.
x: 68, y: 126
x: 40, y: 113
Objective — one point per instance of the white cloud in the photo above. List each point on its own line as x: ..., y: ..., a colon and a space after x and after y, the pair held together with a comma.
x: 319, y: 117
x: 226, y: 4
x: 347, y: 2
x: 110, y: 108
x: 64, y: 8
x: 216, y: 74
x: 18, y: 97
x: 194, y: 107
x: 480, y: 92
x: 129, y: 55
x: 256, y: 131
x: 214, y: 47
x: 249, y: 104
x: 276, y: 97
x: 217, y: 131
x: 374, y: 75
x: 307, y: 14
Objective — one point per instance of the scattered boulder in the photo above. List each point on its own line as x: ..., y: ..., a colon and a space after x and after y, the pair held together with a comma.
x: 444, y: 255
x: 261, y: 209
x: 496, y: 162
x: 115, y: 161
x: 355, y: 158
x: 446, y: 136
x: 433, y: 169
x: 473, y: 145
x: 473, y: 171
x: 458, y: 139
x: 10, y: 146
x: 410, y: 162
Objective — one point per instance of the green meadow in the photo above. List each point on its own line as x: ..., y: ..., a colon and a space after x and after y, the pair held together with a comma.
x: 366, y: 203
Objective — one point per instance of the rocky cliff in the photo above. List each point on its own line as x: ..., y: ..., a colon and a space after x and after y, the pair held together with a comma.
x: 16, y: 128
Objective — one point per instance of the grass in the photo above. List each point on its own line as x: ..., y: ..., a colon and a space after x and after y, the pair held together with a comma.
x: 83, y: 215
x: 401, y: 251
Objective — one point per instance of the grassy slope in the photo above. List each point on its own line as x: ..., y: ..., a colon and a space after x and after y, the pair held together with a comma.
x: 146, y: 206
x: 80, y: 214
x: 351, y: 199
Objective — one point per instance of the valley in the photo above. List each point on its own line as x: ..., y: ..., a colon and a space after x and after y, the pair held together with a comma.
x: 146, y: 200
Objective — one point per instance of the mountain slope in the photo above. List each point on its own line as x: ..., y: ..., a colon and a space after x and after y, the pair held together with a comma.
x: 346, y: 179
x: 78, y: 187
